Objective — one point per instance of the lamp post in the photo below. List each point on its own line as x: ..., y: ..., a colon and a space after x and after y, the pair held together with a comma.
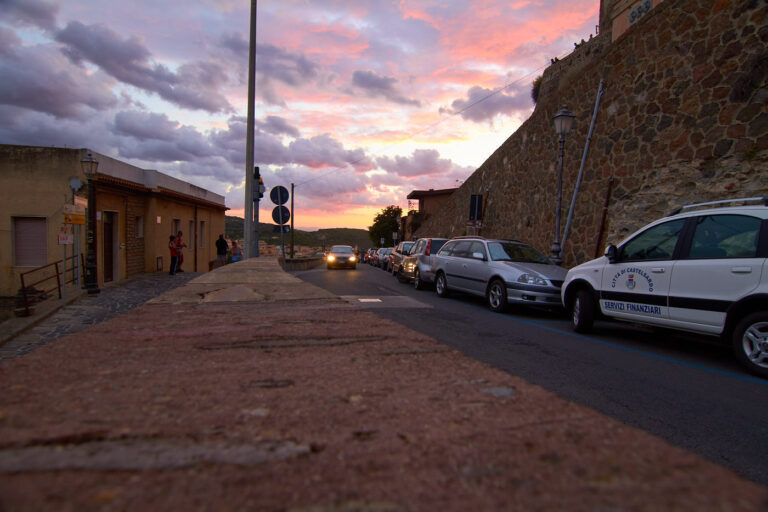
x: 89, y: 166
x: 563, y: 123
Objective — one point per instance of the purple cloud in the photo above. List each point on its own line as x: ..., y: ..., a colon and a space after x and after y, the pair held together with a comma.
x: 376, y: 85
x: 423, y: 162
x: 484, y: 104
x: 195, y: 85
x: 277, y: 126
x: 39, y: 79
x: 36, y: 13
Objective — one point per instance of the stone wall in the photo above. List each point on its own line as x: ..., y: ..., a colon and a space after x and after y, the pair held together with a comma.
x: 683, y: 119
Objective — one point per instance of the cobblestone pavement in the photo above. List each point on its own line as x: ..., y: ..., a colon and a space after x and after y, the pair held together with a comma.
x: 91, y: 310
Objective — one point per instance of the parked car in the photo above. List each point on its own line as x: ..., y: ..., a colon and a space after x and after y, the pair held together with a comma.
x: 341, y: 256
x: 382, y: 257
x: 417, y: 265
x: 698, y: 270
x: 502, y: 271
x: 398, y: 253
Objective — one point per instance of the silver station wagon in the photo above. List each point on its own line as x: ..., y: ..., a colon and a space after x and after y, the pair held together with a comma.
x: 503, y: 271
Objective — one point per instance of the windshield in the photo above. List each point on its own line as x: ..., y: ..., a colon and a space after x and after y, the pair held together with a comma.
x: 516, y: 251
x: 344, y: 249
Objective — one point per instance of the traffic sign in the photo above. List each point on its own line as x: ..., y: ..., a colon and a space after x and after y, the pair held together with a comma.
x: 279, y: 195
x: 281, y: 211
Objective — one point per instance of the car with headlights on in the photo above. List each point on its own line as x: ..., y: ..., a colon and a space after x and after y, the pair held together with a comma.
x: 341, y: 256
x: 503, y: 271
x: 397, y: 256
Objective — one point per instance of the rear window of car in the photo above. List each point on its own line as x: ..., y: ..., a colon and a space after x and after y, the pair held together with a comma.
x: 725, y: 236
x: 436, y: 245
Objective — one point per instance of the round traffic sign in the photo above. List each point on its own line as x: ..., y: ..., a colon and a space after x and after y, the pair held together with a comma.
x: 279, y: 195
x: 278, y: 211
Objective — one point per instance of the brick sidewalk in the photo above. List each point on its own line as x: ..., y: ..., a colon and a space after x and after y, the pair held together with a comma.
x: 248, y: 389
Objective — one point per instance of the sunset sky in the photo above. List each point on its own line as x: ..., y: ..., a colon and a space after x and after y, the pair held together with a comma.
x: 357, y: 102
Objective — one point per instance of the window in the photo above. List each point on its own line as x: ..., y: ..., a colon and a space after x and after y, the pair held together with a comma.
x: 176, y: 226
x: 447, y: 249
x: 476, y: 248
x: 139, y: 226
x: 461, y: 249
x: 29, y: 241
x: 655, y: 243
x: 202, y: 233
x: 191, y: 234
x: 725, y: 236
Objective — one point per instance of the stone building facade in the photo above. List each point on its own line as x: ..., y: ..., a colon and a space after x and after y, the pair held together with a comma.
x: 683, y: 119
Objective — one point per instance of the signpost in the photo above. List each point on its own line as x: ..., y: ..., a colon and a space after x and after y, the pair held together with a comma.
x: 280, y: 214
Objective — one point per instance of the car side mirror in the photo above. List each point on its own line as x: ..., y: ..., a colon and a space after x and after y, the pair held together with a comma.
x: 612, y: 253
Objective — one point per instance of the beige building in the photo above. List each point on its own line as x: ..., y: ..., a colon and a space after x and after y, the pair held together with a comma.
x: 136, y: 212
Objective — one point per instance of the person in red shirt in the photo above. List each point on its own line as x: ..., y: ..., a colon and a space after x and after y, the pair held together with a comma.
x: 180, y: 245
x: 174, y: 254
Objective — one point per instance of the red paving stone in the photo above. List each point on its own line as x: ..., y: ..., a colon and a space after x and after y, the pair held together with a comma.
x: 287, y: 398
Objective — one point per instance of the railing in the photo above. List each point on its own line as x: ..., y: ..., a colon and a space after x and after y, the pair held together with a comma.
x: 61, y: 268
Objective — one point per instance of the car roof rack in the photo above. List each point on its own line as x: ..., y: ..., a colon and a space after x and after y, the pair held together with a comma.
x: 763, y: 200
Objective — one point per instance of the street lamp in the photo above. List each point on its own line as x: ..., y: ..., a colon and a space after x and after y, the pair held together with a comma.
x: 563, y: 123
x: 89, y: 166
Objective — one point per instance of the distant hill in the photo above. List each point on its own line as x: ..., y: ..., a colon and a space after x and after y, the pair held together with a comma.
x: 331, y: 236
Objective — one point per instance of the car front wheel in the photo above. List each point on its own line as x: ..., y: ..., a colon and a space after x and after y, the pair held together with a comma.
x: 497, y: 296
x: 750, y: 343
x: 441, y: 285
x: 583, y: 311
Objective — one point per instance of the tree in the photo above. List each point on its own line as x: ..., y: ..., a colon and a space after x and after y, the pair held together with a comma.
x: 386, y: 222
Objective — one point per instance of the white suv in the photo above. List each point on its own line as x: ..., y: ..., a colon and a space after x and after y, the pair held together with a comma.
x: 698, y: 270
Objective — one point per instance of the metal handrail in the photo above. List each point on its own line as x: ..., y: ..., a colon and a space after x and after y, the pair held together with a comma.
x: 26, y: 287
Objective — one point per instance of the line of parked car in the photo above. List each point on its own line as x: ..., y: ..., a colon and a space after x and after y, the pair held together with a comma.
x: 703, y: 269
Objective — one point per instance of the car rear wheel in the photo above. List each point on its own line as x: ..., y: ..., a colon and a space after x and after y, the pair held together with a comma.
x: 750, y: 343
x: 582, y: 311
x: 496, y: 296
x: 441, y: 285
x: 417, y: 282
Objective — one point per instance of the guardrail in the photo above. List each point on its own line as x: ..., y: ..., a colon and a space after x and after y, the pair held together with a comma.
x: 60, y: 269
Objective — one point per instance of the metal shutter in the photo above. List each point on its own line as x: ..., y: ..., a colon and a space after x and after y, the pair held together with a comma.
x: 29, y: 241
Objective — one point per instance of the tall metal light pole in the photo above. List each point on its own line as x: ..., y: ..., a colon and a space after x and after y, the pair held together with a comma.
x: 563, y: 123
x: 89, y: 166
x: 251, y: 229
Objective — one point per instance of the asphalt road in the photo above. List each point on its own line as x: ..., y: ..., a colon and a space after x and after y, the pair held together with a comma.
x: 687, y: 390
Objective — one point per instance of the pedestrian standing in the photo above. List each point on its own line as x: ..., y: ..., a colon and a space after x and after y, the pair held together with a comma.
x: 222, y: 247
x: 180, y: 245
x: 237, y: 255
x: 174, y: 255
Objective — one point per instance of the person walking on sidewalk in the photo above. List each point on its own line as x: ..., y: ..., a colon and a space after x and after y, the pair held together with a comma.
x: 180, y: 245
x: 174, y: 254
x: 222, y: 247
